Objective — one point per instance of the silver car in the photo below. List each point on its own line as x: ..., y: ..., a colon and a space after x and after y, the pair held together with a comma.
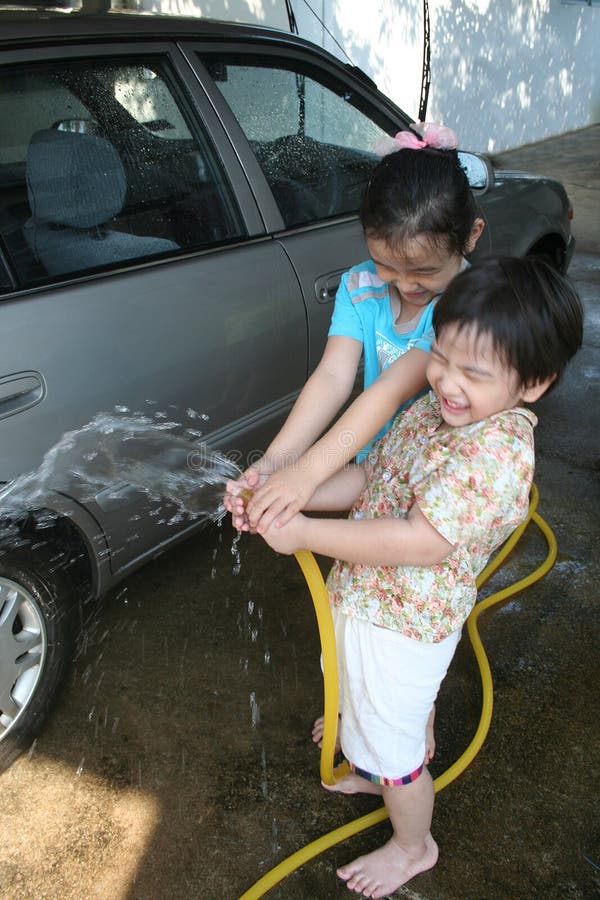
x: 178, y: 202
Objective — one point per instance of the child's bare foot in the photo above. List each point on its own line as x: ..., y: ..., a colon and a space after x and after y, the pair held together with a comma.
x: 353, y: 784
x: 429, y: 738
x: 317, y: 733
x: 382, y: 872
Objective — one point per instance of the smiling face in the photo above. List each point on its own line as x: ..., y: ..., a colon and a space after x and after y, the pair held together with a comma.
x: 419, y: 270
x: 470, y: 379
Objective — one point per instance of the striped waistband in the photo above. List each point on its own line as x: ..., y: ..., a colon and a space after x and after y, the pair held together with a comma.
x: 393, y: 782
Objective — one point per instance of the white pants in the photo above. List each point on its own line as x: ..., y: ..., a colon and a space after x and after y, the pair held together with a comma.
x: 388, y: 685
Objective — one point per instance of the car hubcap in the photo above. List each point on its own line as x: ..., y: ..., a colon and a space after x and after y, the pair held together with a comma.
x: 22, y: 651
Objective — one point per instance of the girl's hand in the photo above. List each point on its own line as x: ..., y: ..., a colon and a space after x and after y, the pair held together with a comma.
x: 287, y: 538
x: 283, y: 495
x: 236, y: 495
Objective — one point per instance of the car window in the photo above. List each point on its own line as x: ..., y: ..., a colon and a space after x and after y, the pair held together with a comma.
x: 314, y: 137
x: 100, y: 164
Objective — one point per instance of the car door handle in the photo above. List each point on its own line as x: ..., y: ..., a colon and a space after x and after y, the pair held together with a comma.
x: 326, y: 286
x: 20, y: 391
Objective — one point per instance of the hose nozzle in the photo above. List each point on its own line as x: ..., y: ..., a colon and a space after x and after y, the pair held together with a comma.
x: 246, y: 495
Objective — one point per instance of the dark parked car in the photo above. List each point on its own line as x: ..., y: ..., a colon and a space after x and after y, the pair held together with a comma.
x: 177, y: 202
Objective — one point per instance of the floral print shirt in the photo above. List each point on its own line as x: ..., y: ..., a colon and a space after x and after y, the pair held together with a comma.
x: 472, y: 484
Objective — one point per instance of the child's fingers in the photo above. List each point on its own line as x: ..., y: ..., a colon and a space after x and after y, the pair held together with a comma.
x: 270, y: 514
x: 233, y: 504
x: 240, y: 523
x: 252, y: 478
x: 259, y: 501
x: 264, y: 502
x: 287, y: 513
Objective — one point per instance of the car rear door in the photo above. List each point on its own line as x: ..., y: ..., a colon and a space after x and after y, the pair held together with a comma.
x: 136, y: 275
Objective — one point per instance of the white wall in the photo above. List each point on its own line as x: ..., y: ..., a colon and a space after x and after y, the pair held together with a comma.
x: 503, y: 72
x: 261, y: 12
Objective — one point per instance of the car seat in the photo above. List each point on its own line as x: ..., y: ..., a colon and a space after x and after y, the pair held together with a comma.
x: 76, y: 183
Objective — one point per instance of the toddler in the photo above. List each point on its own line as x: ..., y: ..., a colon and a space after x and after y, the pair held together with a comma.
x: 436, y: 496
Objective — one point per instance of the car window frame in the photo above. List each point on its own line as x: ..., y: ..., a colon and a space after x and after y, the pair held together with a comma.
x: 264, y: 196
x: 204, y: 116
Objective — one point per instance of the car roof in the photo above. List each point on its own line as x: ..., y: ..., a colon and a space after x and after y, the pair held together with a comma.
x: 28, y: 28
x: 40, y: 26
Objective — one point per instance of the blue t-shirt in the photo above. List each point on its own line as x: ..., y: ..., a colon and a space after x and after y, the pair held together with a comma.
x: 363, y: 311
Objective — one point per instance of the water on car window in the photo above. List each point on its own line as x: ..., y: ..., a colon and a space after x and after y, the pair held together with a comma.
x: 314, y: 138
x: 148, y: 100
x: 100, y: 165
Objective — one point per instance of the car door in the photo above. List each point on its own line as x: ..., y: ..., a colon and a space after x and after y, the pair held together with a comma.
x: 137, y: 275
x: 306, y: 133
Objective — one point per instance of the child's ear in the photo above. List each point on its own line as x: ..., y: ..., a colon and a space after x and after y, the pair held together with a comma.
x: 535, y: 391
x: 474, y: 235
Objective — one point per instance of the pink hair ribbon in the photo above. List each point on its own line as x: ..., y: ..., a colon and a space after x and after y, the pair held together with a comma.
x: 437, y: 136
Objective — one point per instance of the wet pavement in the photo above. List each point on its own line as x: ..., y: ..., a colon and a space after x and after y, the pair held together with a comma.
x: 179, y: 762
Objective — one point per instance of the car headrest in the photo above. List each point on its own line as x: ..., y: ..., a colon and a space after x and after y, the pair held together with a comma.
x: 74, y: 179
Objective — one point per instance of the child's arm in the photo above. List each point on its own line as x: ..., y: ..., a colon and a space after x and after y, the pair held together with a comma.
x: 285, y: 493
x: 321, y: 398
x: 339, y: 492
x: 374, y: 542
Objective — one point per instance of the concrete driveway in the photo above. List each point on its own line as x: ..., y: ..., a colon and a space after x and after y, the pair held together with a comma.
x: 179, y: 761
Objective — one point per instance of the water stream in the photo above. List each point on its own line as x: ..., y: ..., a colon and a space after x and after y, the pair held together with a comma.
x: 122, y: 452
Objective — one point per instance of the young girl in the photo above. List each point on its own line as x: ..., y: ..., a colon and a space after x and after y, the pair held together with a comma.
x: 419, y: 220
x: 437, y: 495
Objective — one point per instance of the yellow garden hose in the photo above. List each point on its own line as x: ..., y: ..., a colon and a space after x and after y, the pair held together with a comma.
x: 329, y: 774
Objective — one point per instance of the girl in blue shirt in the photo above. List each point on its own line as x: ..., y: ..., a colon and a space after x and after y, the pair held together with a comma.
x: 420, y: 220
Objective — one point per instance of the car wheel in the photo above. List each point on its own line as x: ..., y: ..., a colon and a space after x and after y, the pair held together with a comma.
x: 36, y: 646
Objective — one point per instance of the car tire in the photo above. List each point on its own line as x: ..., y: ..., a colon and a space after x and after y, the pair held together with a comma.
x: 36, y: 646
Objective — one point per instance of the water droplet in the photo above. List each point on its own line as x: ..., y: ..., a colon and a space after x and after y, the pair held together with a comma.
x: 265, y: 784
x: 254, y: 710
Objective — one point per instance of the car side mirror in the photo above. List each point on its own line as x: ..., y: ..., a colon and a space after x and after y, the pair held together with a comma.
x: 478, y: 170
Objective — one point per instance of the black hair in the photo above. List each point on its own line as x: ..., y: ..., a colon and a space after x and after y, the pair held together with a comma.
x: 414, y: 192
x: 532, y: 313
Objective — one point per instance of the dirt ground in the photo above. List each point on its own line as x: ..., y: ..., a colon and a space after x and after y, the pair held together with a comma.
x: 178, y: 761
